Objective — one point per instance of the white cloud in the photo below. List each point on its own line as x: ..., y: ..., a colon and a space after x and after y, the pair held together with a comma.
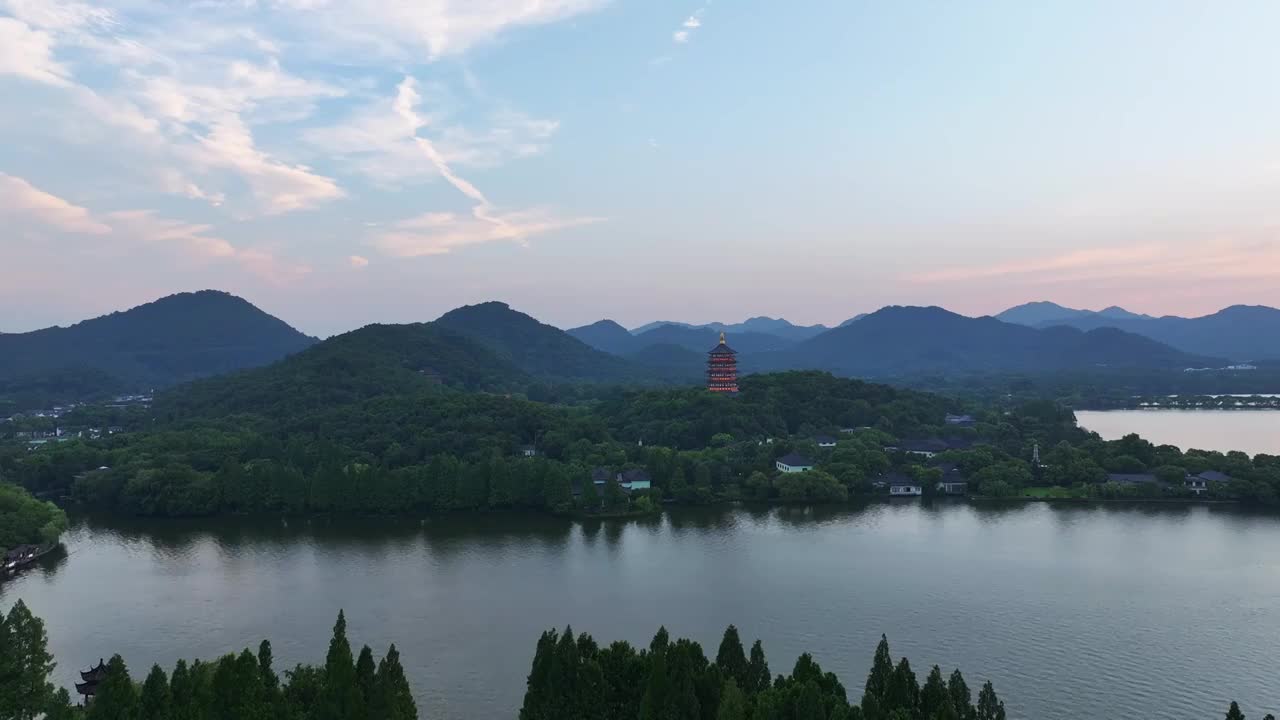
x: 28, y: 53
x: 425, y: 30
x: 197, y: 242
x: 442, y: 232
x: 20, y: 199
x: 379, y: 140
x: 357, y: 261
x: 693, y: 22
x: 278, y: 186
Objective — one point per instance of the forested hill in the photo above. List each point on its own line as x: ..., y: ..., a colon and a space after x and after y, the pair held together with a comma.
x: 374, y: 361
x: 898, y: 341
x: 534, y: 347
x: 171, y: 340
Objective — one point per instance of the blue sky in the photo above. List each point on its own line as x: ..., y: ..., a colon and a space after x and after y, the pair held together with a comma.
x: 340, y: 162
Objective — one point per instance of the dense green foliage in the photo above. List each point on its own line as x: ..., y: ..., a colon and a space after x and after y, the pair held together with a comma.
x: 444, y: 449
x: 25, y: 520
x: 241, y: 686
x: 573, y: 678
x: 173, y: 339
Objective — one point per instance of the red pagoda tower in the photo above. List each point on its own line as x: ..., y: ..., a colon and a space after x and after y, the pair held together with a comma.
x: 722, y: 368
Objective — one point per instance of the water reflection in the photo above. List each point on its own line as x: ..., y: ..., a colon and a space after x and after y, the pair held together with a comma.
x: 1024, y: 593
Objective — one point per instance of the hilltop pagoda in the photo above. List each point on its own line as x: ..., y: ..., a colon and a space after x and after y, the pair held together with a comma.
x: 722, y: 368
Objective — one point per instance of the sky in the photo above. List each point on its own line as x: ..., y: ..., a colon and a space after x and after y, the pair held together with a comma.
x: 341, y: 162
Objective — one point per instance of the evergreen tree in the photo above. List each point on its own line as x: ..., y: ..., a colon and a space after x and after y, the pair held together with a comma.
x: 115, y: 697
x: 758, y: 677
x: 904, y: 691
x: 653, y: 706
x: 340, y: 697
x: 182, y: 693
x: 1233, y: 713
x: 733, y: 704
x: 537, y: 696
x: 156, y: 700
x: 961, y: 698
x: 392, y: 698
x: 731, y: 658
x: 878, y: 681
x: 809, y: 702
x: 60, y: 708
x: 266, y: 674
x: 934, y: 700
x: 614, y: 498
x: 660, y: 640
x: 365, y: 671
x: 990, y: 707
x: 25, y: 665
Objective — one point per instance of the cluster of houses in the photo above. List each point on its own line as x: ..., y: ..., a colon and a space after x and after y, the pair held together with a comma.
x: 1198, y: 483
x: 629, y: 480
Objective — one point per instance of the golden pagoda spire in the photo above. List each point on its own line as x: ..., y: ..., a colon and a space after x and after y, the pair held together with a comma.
x: 722, y: 337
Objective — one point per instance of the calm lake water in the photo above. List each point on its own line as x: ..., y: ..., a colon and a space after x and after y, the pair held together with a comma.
x: 1073, y: 612
x: 1250, y: 431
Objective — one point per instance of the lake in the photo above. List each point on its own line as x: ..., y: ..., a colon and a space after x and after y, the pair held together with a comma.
x: 1250, y: 431
x: 1073, y: 612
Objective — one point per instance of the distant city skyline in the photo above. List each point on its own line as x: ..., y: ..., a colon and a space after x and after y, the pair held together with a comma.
x: 341, y: 162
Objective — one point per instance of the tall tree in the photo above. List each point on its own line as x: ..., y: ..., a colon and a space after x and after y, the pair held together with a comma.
x: 182, y: 693
x: 904, y: 691
x: 1233, y: 713
x: 115, y: 697
x: 392, y: 698
x: 340, y: 697
x: 156, y: 702
x: 991, y: 708
x: 365, y: 671
x: 934, y: 700
x: 657, y: 692
x: 758, y: 678
x: 731, y: 658
x: 878, y: 681
x: 733, y: 704
x: 961, y: 698
x: 25, y: 665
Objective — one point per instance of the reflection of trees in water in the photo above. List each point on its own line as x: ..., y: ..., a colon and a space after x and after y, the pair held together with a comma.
x: 445, y: 535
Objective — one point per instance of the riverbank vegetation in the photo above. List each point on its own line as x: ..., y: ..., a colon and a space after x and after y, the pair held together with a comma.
x: 243, y: 686
x: 573, y: 678
x: 24, y: 520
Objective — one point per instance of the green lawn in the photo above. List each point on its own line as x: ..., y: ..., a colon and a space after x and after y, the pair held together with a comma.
x: 1047, y: 492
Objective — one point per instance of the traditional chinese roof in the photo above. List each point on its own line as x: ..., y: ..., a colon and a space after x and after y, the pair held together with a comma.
x: 722, y: 348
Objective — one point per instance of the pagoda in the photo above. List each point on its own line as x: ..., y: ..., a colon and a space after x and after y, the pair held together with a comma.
x: 722, y: 368
x: 92, y: 678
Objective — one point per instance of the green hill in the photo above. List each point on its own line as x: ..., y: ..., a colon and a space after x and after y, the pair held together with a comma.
x: 174, y: 339
x: 536, y: 348
x: 373, y: 361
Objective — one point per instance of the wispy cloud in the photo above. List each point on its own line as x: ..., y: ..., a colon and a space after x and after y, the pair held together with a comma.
x: 357, y: 262
x: 436, y: 233
x: 691, y: 23
x: 1223, y: 257
x: 442, y: 232
x: 20, y: 200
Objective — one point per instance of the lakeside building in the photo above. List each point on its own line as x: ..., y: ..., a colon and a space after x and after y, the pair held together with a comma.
x: 91, y: 678
x: 793, y: 463
x: 722, y: 368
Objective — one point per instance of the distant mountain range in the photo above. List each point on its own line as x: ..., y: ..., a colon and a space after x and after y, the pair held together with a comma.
x: 174, y: 339
x: 1240, y: 333
x: 491, y: 346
